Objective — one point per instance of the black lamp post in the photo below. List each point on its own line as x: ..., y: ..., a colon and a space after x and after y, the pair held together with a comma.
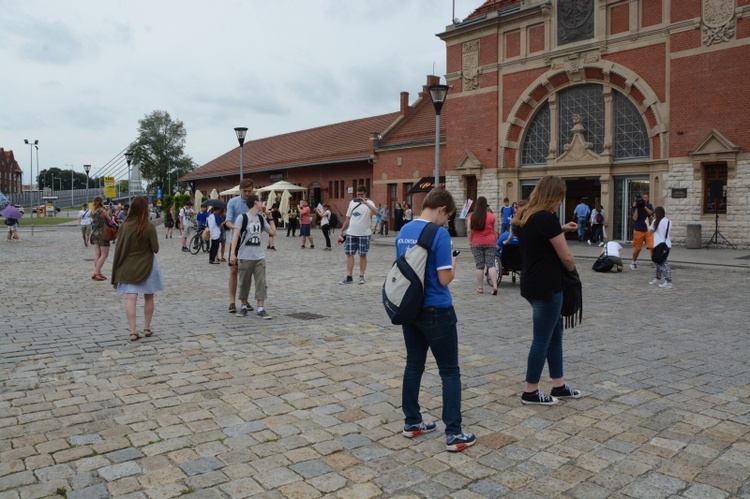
x: 87, y: 168
x: 31, y: 175
x: 129, y: 159
x: 241, y: 132
x: 438, y: 93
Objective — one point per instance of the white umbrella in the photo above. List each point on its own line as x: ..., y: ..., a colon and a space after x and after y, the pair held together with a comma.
x: 198, y: 198
x: 270, y: 199
x: 234, y: 191
x: 284, y: 205
x: 214, y: 194
x: 282, y: 185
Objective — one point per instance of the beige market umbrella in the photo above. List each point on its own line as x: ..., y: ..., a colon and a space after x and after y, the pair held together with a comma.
x: 284, y: 205
x: 234, y: 191
x: 198, y: 198
x: 214, y: 194
x: 282, y: 185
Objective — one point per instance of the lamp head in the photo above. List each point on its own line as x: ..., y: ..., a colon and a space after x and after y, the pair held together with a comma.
x: 87, y: 168
x: 128, y: 157
x: 241, y: 133
x: 438, y: 93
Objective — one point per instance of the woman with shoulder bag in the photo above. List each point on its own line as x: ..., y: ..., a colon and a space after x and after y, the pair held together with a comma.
x: 660, y: 229
x: 135, y: 269
x: 100, y: 220
x: 545, y: 258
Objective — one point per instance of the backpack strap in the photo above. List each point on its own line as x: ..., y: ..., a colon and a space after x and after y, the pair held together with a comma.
x: 427, y: 236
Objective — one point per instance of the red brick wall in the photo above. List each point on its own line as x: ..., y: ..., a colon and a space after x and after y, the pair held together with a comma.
x: 514, y: 85
x: 421, y: 159
x: 684, y: 9
x: 743, y: 27
x: 471, y: 125
x: 488, y: 50
x: 454, y: 58
x: 512, y: 44
x: 619, y: 19
x: 685, y: 40
x: 535, y: 36
x: 651, y: 13
x: 649, y: 63
x: 706, y: 92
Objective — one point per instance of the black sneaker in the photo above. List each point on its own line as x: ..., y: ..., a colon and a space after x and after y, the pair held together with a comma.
x: 457, y: 443
x: 565, y: 392
x: 242, y: 312
x: 262, y: 314
x: 414, y: 430
x: 537, y: 398
x: 232, y: 308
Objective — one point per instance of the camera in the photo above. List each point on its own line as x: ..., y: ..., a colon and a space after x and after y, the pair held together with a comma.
x: 357, y: 200
x: 639, y: 201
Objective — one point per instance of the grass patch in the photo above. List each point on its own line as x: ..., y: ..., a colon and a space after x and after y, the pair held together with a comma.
x: 187, y: 491
x: 25, y: 221
x: 155, y: 441
x: 61, y: 492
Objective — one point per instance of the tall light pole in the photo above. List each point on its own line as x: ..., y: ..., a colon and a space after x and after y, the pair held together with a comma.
x: 87, y: 168
x: 31, y: 174
x: 129, y: 159
x: 241, y: 132
x: 438, y: 93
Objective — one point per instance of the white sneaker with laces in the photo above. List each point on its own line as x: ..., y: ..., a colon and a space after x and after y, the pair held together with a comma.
x: 666, y: 285
x: 633, y: 266
x: 655, y: 281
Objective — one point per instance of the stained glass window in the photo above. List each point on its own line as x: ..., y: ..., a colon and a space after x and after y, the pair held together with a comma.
x: 587, y: 101
x: 536, y: 142
x: 631, y: 137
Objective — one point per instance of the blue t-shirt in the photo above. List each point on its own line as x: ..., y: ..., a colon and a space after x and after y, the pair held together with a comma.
x: 507, y: 214
x: 440, y: 258
x: 235, y: 207
x: 582, y: 210
x: 202, y: 218
x: 504, y: 236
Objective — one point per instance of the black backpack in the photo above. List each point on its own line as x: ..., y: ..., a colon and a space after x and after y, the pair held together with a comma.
x: 333, y: 221
x: 603, y: 264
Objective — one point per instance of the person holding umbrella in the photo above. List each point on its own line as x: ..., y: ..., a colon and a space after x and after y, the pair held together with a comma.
x: 12, y: 215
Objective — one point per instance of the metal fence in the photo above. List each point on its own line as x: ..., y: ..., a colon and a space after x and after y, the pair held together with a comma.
x: 64, y: 198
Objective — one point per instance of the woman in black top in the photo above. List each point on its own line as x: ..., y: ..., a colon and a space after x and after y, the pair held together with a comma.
x: 545, y: 256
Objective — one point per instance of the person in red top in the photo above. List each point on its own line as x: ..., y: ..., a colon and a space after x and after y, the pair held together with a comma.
x: 482, y: 233
x: 305, y: 223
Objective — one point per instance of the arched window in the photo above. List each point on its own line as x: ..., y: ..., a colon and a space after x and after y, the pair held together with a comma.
x: 630, y: 140
x: 536, y: 143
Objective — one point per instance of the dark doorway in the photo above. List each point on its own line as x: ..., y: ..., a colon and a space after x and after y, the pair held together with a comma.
x: 588, y: 189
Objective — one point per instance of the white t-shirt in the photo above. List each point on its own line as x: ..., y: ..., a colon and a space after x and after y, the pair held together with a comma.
x: 360, y: 218
x: 613, y: 248
x: 250, y: 247
x: 185, y: 213
x: 85, y: 217
x: 324, y: 219
x: 660, y: 234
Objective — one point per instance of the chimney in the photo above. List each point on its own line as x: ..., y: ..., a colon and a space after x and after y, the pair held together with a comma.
x: 431, y: 80
x: 374, y: 142
x: 405, y: 109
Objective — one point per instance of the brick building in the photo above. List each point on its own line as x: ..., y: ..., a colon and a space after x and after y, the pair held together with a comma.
x: 617, y: 97
x: 11, y: 174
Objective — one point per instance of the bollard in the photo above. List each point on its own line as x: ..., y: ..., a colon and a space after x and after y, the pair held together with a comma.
x: 693, y: 240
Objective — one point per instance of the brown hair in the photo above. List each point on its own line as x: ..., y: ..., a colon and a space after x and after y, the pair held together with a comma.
x: 98, y: 203
x: 246, y: 183
x: 438, y: 198
x: 138, y: 214
x: 546, y: 196
x: 659, y: 213
x: 479, y: 217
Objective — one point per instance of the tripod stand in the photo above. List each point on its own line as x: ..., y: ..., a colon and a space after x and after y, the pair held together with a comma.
x: 716, y: 235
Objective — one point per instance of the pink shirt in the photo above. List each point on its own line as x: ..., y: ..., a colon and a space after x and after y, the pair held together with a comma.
x: 304, y: 215
x: 485, y: 236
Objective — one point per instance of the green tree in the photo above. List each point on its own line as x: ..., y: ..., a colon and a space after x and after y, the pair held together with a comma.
x: 159, y: 151
x: 45, y: 179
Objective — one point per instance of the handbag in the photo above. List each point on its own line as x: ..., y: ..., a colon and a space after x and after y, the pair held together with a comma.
x: 661, y: 251
x: 572, y: 299
x: 206, y: 235
x: 109, y: 233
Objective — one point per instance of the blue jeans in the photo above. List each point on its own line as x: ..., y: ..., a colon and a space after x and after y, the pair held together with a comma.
x: 547, y: 342
x: 435, y: 329
x: 581, y: 228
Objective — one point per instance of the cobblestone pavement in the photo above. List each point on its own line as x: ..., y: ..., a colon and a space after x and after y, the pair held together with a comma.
x: 308, y: 404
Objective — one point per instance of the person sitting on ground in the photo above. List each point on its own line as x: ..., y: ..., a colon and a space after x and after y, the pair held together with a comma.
x: 613, y: 251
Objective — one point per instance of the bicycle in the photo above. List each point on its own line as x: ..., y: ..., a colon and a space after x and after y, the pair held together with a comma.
x: 197, y: 243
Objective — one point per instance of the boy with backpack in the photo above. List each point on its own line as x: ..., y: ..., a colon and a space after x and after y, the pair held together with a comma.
x: 247, y: 251
x: 434, y: 328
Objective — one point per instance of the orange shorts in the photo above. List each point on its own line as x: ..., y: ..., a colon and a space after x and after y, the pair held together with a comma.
x: 640, y: 237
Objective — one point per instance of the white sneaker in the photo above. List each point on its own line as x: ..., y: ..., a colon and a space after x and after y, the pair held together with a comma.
x: 601, y: 244
x: 666, y: 285
x: 633, y: 266
x: 589, y: 241
x: 655, y: 281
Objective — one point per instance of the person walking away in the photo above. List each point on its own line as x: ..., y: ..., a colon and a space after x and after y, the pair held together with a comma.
x: 84, y: 221
x: 357, y: 228
x: 186, y: 212
x: 398, y: 214
x: 545, y: 256
x: 12, y: 224
x: 482, y: 233
x: 293, y: 216
x: 235, y: 207
x: 582, y: 213
x: 325, y: 224
x: 506, y: 215
x: 613, y: 251
x: 99, y: 219
x: 385, y: 215
x: 641, y: 213
x: 214, y: 221
x: 660, y: 229
x: 169, y: 222
x: 597, y: 224
x: 249, y: 255
x: 134, y: 268
x: 305, y: 224
x: 435, y: 328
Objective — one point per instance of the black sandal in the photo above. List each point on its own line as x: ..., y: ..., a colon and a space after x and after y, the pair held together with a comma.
x: 134, y: 337
x: 147, y: 332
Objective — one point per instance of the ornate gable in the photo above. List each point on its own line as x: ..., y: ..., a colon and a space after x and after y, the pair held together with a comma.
x: 712, y: 148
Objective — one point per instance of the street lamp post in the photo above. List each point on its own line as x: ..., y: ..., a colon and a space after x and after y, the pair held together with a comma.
x: 31, y: 174
x: 129, y: 159
x: 241, y: 132
x: 87, y: 168
x: 438, y: 93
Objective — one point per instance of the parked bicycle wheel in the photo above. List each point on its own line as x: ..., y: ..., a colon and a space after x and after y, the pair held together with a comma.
x: 196, y: 243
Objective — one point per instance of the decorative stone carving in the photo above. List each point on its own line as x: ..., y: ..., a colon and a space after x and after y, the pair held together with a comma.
x: 470, y: 65
x: 718, y: 21
x: 578, y: 150
x: 575, y: 20
x: 575, y: 62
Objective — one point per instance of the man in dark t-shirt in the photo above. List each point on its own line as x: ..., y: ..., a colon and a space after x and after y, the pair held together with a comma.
x: 642, y: 211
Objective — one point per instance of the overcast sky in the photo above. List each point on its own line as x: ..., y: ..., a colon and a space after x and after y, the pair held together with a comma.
x: 79, y: 74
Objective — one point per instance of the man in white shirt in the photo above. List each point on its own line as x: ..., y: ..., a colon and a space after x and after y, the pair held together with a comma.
x: 85, y: 221
x: 613, y: 251
x: 358, y: 221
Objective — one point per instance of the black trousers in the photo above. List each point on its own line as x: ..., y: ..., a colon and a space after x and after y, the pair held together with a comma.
x: 213, y: 250
x: 326, y: 229
x: 292, y: 228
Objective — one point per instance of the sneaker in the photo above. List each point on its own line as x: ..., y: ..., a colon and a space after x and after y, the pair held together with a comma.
x: 601, y: 244
x: 633, y: 266
x: 232, y: 308
x: 347, y: 280
x: 666, y: 285
x: 242, y: 312
x: 312, y: 246
x: 565, y: 392
x: 185, y: 250
x: 589, y: 241
x: 414, y: 430
x: 538, y: 398
x: 654, y: 281
x: 362, y: 279
x: 457, y: 443
x: 262, y: 314
x: 326, y: 249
